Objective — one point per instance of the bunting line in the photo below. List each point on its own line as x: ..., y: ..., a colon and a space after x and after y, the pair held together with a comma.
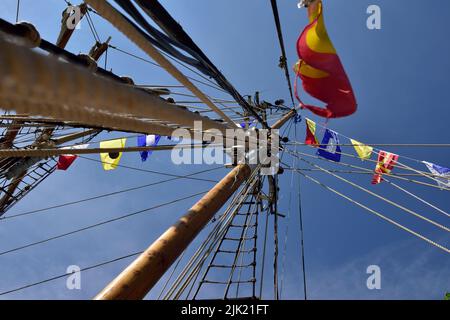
x: 420, y: 173
x: 368, y: 171
x: 378, y: 214
x: 399, y: 164
x: 379, y: 197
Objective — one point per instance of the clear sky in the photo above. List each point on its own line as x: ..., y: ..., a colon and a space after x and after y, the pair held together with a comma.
x: 400, y: 78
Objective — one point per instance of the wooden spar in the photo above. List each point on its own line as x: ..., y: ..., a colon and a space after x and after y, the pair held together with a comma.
x: 98, y: 49
x: 143, y: 273
x: 284, y: 119
x: 74, y: 136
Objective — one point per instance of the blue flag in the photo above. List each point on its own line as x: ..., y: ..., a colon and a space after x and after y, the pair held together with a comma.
x: 442, y: 174
x: 145, y: 141
x: 251, y: 124
x: 329, y: 148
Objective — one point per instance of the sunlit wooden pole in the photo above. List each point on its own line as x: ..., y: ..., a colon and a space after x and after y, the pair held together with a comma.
x: 143, y: 273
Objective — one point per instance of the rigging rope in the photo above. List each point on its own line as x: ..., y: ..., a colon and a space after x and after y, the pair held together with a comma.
x: 378, y: 214
x: 417, y: 197
x: 92, y: 226
x: 166, y: 283
x: 17, y: 11
x: 211, y: 84
x: 378, y: 196
x: 216, y: 236
x: 189, y: 176
x: 177, y: 34
x: 302, y: 242
x: 145, y: 170
x: 92, y: 28
x: 440, y: 145
x: 396, y: 176
x: 241, y: 247
x: 369, y: 172
x: 386, y: 180
x: 119, y: 21
x: 286, y: 233
x: 399, y: 164
x: 22, y: 153
x: 66, y: 274
x: 193, y: 267
x: 283, y: 58
x: 266, y: 228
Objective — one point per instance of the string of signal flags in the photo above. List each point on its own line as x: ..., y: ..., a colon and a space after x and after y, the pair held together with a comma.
x: 110, y: 160
x: 330, y: 148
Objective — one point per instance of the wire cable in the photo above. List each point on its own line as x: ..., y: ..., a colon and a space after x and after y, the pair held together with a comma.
x: 144, y: 170
x: 211, y: 84
x: 379, y: 197
x: 66, y: 274
x: 378, y: 214
x: 104, y: 195
x: 396, y: 176
x: 302, y: 242
x: 425, y: 174
x: 424, y: 145
x: 17, y: 11
x: 283, y: 58
x: 32, y: 244
x: 136, y: 35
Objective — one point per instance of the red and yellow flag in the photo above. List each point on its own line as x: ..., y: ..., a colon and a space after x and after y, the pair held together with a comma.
x: 385, y: 163
x: 311, y: 133
x: 321, y: 70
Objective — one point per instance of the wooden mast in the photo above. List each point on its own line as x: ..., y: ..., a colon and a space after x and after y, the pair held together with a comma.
x: 143, y: 273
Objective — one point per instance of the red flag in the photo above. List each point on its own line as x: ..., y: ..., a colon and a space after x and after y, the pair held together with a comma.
x: 65, y: 160
x: 385, y: 164
x: 321, y: 70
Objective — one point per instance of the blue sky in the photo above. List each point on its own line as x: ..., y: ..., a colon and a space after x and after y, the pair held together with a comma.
x: 400, y: 77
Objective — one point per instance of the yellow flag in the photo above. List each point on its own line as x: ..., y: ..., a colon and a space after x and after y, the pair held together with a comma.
x: 363, y: 151
x: 111, y: 160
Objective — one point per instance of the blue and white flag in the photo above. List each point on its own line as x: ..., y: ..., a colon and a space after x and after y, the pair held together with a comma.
x: 329, y: 148
x: 243, y: 125
x: 442, y: 174
x: 150, y: 140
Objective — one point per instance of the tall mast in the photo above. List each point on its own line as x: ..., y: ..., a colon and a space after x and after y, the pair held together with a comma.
x: 144, y: 272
